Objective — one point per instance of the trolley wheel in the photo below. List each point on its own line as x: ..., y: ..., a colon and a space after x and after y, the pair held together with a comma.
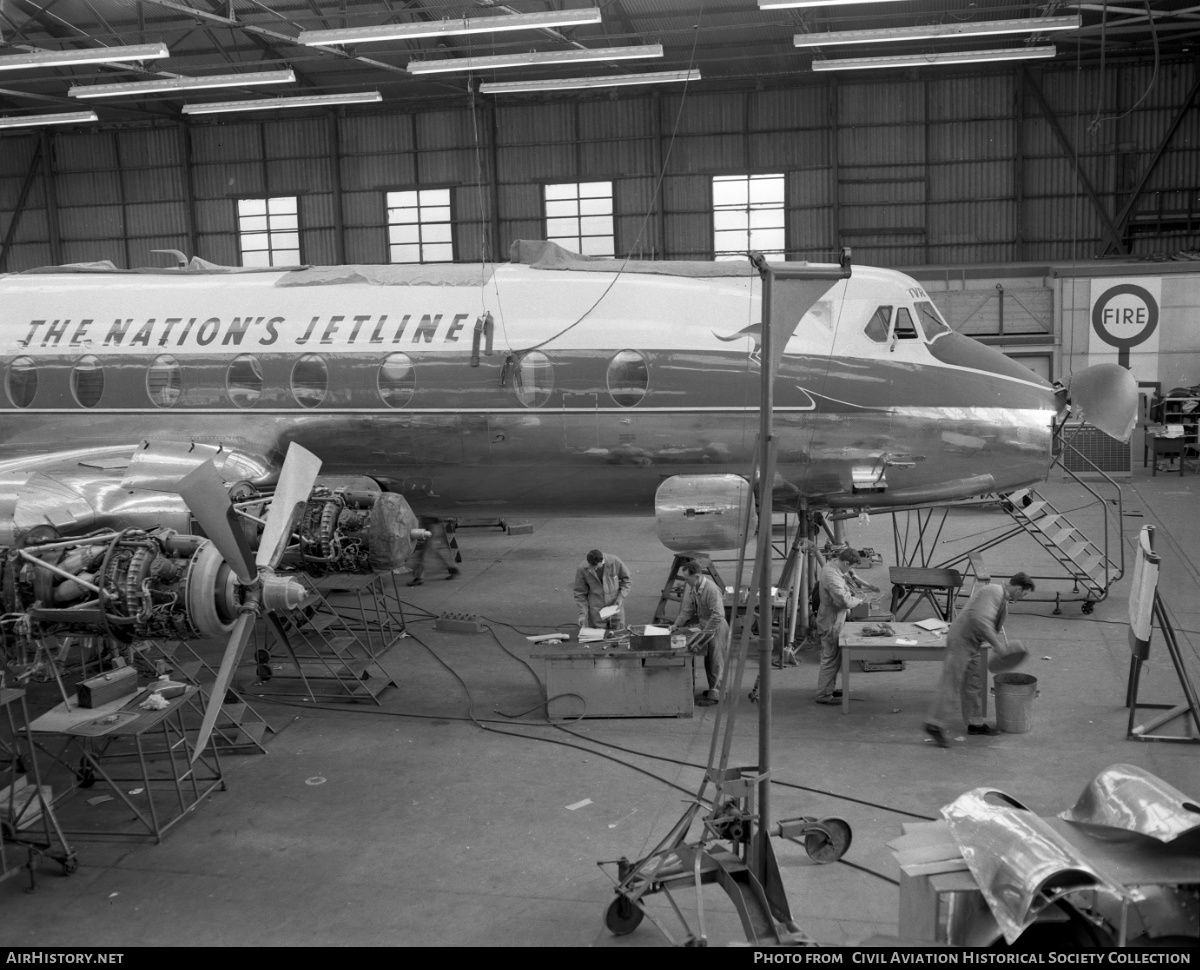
x: 70, y: 865
x: 264, y: 672
x: 1088, y: 606
x: 262, y: 656
x: 824, y: 849
x: 87, y: 778
x: 622, y: 917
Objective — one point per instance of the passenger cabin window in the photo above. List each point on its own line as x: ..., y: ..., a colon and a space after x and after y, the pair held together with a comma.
x: 628, y: 378
x: 244, y: 381
x: 87, y: 381
x: 905, y: 328
x: 534, y: 379
x: 310, y: 380
x: 877, y: 326
x: 397, y: 380
x: 22, y: 382
x: 931, y: 320
x: 164, y: 381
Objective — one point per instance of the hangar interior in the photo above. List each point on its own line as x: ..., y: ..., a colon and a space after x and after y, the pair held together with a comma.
x: 1032, y: 169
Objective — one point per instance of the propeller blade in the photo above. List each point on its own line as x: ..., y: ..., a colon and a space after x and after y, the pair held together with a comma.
x: 296, y: 480
x: 204, y: 492
x: 1106, y: 397
x: 238, y: 638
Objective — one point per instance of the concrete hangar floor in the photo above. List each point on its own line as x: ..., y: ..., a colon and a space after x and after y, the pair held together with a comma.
x: 428, y: 830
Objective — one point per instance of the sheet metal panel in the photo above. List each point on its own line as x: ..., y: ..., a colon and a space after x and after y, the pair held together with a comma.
x: 971, y: 98
x: 812, y: 229
x: 442, y: 167
x: 227, y: 180
x: 1131, y: 799
x: 14, y: 160
x: 798, y: 109
x: 1002, y: 252
x: 382, y: 171
x: 683, y: 192
x: 83, y: 189
x: 880, y: 145
x: 84, y: 152
x: 225, y: 142
x: 710, y: 114
x: 609, y: 159
x: 970, y: 141
x: 90, y: 250
x: 554, y: 163
x: 963, y: 222
x: 299, y: 176
x: 972, y: 181
x: 364, y: 209
x: 155, y: 219
x: 297, y: 138
x: 534, y: 125
x: 316, y: 209
x: 318, y: 246
x: 366, y: 245
x: 164, y: 185
x: 625, y: 118
x: 689, y: 233
x: 895, y: 102
x: 633, y: 196
x: 384, y: 134
x: 719, y: 154
x: 216, y: 215
x: 811, y: 187
x: 785, y: 151
x: 92, y: 222
x: 452, y: 129
x: 521, y: 200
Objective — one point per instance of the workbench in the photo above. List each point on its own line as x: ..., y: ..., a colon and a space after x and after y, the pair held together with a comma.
x: 167, y: 784
x: 602, y: 679
x: 928, y: 646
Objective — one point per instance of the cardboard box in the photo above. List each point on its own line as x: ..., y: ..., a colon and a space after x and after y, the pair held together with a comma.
x: 109, y: 686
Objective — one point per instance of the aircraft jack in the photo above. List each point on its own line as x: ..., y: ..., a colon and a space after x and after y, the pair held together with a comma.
x: 722, y: 855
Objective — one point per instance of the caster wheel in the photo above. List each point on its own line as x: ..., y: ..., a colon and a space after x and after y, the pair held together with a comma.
x: 262, y: 656
x: 824, y: 850
x: 264, y: 672
x: 1088, y: 606
x: 70, y: 866
x: 622, y: 917
x: 87, y: 778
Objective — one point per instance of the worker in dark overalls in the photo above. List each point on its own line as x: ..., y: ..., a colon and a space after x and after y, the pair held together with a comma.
x: 704, y: 604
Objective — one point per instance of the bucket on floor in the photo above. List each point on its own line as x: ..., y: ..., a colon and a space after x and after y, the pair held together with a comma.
x: 1014, y: 701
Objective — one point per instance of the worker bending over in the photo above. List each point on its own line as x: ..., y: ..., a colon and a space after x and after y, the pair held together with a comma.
x: 837, y: 600
x: 980, y: 621
x: 602, y: 581
x: 704, y: 605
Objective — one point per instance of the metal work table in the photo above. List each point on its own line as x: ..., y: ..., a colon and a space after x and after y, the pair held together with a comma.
x: 88, y: 733
x: 607, y: 680
x: 928, y: 646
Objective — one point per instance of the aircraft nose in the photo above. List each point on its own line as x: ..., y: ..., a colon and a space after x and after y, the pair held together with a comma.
x: 959, y: 351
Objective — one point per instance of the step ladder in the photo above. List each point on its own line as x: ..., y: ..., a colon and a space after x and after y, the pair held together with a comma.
x: 1086, y: 562
x: 672, y: 591
x: 328, y: 653
x: 239, y: 726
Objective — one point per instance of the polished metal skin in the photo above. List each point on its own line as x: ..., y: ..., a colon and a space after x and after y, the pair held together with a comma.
x: 1129, y: 798
x: 1017, y: 859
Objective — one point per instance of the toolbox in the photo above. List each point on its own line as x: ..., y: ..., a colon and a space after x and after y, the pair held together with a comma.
x: 109, y: 686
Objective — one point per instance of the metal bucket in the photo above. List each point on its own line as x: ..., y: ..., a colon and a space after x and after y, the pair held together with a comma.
x: 1014, y: 701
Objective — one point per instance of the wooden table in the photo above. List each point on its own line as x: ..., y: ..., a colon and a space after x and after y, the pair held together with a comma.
x: 928, y: 646
x: 615, y: 681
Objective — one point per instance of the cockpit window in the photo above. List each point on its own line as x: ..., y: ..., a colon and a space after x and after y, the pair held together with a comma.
x: 931, y: 320
x: 877, y: 326
x: 905, y: 328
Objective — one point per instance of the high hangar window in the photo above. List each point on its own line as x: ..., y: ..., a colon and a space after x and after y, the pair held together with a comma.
x: 269, y: 231
x: 579, y: 217
x: 419, y: 229
x: 748, y: 215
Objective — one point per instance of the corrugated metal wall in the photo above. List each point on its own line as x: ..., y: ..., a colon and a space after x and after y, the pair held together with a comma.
x: 929, y: 170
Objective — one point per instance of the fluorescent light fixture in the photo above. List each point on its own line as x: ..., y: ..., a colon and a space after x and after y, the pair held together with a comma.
x: 781, y: 4
x: 448, y: 28
x: 267, y: 104
x: 1028, y: 25
x: 88, y: 55
x: 947, y: 57
x: 133, y: 88
x: 535, y: 57
x: 575, y: 83
x: 61, y: 118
